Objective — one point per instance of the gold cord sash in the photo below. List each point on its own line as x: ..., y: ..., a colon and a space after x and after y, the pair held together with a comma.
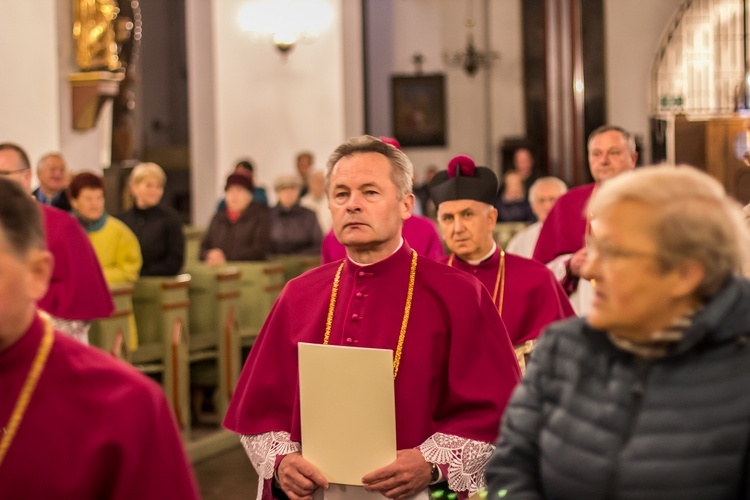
x: 404, y: 321
x: 499, y: 281
x: 37, y: 366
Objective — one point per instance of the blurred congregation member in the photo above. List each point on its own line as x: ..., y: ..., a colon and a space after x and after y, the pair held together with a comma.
x: 647, y: 396
x: 317, y: 200
x: 523, y: 163
x: 451, y: 379
x: 241, y: 232
x: 561, y: 240
x: 542, y: 197
x: 511, y: 203
x: 294, y: 229
x: 305, y: 165
x: 77, y: 292
x: 157, y: 227
x: 526, y: 294
x: 115, y: 244
x: 422, y: 194
x: 52, y: 173
x: 113, y: 435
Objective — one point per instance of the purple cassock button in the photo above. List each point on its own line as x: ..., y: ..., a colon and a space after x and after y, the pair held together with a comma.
x: 349, y: 340
x: 355, y: 317
x: 361, y: 273
x: 475, y: 271
x: 359, y: 295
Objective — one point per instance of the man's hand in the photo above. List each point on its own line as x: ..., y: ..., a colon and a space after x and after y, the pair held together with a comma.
x: 405, y: 477
x: 215, y: 257
x: 299, y: 478
x: 576, y: 262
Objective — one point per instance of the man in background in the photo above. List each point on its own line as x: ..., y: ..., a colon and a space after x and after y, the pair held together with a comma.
x: 77, y: 292
x: 542, y: 197
x: 561, y: 242
x: 52, y: 173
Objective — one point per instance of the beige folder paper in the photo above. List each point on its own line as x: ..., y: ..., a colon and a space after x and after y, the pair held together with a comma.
x: 347, y: 410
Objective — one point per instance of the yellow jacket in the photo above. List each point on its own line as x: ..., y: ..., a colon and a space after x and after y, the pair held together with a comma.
x: 118, y: 252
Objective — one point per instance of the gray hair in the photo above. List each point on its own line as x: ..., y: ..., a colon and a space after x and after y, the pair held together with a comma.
x: 613, y: 128
x: 550, y: 181
x: 41, y: 162
x: 694, y: 219
x: 402, y: 171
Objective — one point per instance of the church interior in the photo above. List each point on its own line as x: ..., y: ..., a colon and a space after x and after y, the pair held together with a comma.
x: 197, y: 85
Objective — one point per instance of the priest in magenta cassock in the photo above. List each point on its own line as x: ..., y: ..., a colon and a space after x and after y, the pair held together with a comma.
x: 525, y: 292
x: 455, y: 372
x: 561, y: 243
x: 77, y: 290
x: 419, y: 232
x: 76, y: 423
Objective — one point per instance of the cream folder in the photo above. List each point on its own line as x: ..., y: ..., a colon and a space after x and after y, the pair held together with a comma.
x: 347, y: 410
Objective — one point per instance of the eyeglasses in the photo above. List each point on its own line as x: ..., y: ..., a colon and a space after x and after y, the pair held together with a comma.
x: 606, y: 252
x: 11, y: 172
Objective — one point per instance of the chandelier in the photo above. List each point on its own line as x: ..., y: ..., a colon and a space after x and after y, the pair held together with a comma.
x: 285, y: 23
x: 471, y: 59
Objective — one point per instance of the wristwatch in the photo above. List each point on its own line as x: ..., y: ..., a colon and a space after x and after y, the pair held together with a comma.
x: 434, y: 473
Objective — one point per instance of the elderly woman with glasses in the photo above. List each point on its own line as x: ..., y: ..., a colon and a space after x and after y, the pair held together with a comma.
x: 647, y: 397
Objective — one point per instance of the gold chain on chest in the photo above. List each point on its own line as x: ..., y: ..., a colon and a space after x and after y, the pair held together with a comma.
x: 404, y: 321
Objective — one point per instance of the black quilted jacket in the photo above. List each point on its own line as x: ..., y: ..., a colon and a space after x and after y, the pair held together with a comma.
x: 590, y: 421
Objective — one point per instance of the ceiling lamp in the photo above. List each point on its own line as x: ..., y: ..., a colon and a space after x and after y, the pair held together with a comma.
x: 285, y: 23
x: 471, y: 59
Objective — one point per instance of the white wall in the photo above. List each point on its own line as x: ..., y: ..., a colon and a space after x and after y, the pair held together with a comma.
x: 634, y: 29
x: 266, y: 106
x: 37, y: 55
x: 29, y: 101
x: 441, y: 28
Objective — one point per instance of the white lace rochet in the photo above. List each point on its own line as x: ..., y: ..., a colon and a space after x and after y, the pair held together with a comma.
x: 262, y: 449
x: 466, y: 459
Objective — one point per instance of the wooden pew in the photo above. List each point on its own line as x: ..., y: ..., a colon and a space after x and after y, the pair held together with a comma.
x: 161, y: 306
x: 112, y: 334
x: 294, y: 265
x: 261, y: 283
x: 214, y: 336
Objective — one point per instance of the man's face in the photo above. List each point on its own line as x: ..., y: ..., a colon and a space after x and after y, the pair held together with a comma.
x: 364, y: 204
x: 609, y: 156
x: 89, y: 203
x: 467, y: 227
x: 52, y: 174
x: 12, y: 168
x: 543, y: 199
x: 23, y: 281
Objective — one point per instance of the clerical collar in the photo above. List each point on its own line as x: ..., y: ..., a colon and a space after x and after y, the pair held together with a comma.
x: 365, y: 265
x: 486, y: 256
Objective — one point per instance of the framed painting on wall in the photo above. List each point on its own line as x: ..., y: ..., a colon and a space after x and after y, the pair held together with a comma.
x: 419, y: 110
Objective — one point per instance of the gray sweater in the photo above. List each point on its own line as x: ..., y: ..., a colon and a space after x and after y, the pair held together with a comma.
x: 590, y: 421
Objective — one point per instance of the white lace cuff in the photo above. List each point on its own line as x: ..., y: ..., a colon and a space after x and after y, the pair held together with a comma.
x: 262, y: 450
x: 466, y: 460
